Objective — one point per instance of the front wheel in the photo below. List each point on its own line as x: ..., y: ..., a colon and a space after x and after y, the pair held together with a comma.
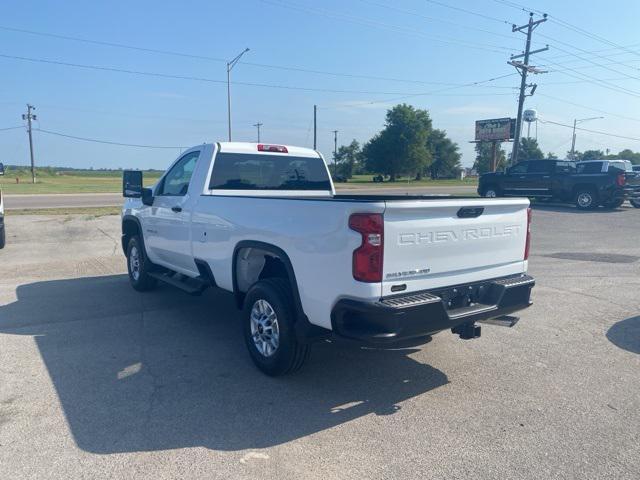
x: 268, y: 326
x: 139, y: 266
x: 635, y: 203
x: 586, y: 199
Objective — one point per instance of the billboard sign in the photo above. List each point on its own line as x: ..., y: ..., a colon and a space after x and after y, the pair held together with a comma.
x: 495, y: 129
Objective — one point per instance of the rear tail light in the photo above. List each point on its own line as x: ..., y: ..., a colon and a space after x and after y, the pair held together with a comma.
x: 527, y: 245
x: 621, y: 179
x: 367, y: 258
x: 272, y: 148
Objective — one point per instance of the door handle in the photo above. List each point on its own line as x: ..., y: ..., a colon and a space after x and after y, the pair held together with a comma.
x: 176, y: 209
x: 546, y: 176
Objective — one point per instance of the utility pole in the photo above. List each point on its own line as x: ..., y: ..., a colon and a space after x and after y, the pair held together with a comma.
x: 335, y: 152
x: 315, y: 127
x: 573, y: 138
x: 28, y: 117
x: 230, y: 66
x: 523, y: 68
x: 258, y: 125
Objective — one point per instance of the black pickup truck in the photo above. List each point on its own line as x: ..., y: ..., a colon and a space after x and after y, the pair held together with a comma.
x: 587, y: 184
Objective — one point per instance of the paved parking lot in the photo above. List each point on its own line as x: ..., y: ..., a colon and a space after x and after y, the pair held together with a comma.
x: 99, y: 381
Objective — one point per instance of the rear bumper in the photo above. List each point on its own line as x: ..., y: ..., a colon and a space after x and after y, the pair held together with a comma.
x: 401, y: 317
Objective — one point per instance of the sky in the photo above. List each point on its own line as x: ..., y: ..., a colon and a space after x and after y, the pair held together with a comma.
x: 352, y: 58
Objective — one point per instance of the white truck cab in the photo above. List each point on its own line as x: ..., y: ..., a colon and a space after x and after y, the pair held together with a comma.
x: 264, y: 222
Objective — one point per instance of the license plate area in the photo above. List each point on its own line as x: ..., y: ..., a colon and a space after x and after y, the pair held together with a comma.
x: 465, y: 296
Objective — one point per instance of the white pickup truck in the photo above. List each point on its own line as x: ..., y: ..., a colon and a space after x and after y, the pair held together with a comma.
x: 264, y: 222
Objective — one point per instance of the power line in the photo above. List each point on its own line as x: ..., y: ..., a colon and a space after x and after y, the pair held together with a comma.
x: 94, y: 140
x: 11, y: 128
x: 568, y: 26
x: 209, y: 80
x: 586, y: 59
x: 589, y: 108
x: 433, y: 19
x: 470, y: 12
x: 608, y: 134
x: 593, y: 80
x: 386, y: 26
x: 216, y: 59
x: 436, y: 92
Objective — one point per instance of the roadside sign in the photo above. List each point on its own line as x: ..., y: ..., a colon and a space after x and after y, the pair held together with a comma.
x: 495, y: 129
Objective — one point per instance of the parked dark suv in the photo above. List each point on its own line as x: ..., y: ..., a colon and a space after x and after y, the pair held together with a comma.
x: 587, y: 184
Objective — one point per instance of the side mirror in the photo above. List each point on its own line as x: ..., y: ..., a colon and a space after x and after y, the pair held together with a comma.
x: 1, y: 169
x: 132, y: 184
x: 147, y: 196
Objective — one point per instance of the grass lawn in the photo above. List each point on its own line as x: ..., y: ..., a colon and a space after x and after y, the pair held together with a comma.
x: 91, y: 212
x: 110, y: 181
x: 367, y: 181
x: 82, y: 181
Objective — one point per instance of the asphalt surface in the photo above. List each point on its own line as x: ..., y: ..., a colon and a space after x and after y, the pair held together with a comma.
x: 64, y: 200
x: 100, y: 381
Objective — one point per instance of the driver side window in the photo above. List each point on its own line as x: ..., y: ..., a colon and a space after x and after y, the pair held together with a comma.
x: 176, y: 181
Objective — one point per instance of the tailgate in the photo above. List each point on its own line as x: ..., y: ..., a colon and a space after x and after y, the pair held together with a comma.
x: 438, y: 243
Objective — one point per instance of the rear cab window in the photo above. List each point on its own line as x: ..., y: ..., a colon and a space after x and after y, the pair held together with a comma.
x: 268, y: 172
x: 589, y: 167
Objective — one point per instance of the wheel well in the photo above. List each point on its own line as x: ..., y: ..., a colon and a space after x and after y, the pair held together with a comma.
x: 584, y: 186
x: 130, y: 228
x: 254, y: 261
x: 253, y: 264
x: 489, y: 185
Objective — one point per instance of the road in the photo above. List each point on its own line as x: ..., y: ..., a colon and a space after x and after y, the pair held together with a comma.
x: 100, y: 381
x: 65, y: 200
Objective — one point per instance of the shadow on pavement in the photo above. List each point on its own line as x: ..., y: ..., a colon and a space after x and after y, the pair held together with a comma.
x: 161, y: 370
x: 626, y: 334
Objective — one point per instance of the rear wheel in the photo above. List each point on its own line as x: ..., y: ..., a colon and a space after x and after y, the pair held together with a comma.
x: 2, y: 236
x: 586, y: 199
x: 139, y: 266
x: 269, y: 333
x: 491, y: 191
x: 635, y: 203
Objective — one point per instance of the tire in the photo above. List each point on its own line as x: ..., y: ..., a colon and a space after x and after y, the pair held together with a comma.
x: 139, y: 266
x: 586, y: 199
x: 635, y: 203
x: 491, y: 191
x: 275, y: 351
x: 2, y: 237
x: 613, y: 203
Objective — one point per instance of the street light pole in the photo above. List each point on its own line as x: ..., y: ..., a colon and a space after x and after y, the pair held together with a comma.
x: 230, y: 66
x: 573, y: 138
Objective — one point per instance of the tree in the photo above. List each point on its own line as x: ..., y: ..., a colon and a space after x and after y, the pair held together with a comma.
x: 445, y: 154
x: 347, y: 158
x: 552, y: 156
x: 483, y: 157
x: 628, y: 154
x: 592, y: 155
x: 401, y: 147
x: 529, y: 150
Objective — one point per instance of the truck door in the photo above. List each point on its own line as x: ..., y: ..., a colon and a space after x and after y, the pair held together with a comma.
x: 539, y: 181
x: 515, y: 179
x: 167, y: 230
